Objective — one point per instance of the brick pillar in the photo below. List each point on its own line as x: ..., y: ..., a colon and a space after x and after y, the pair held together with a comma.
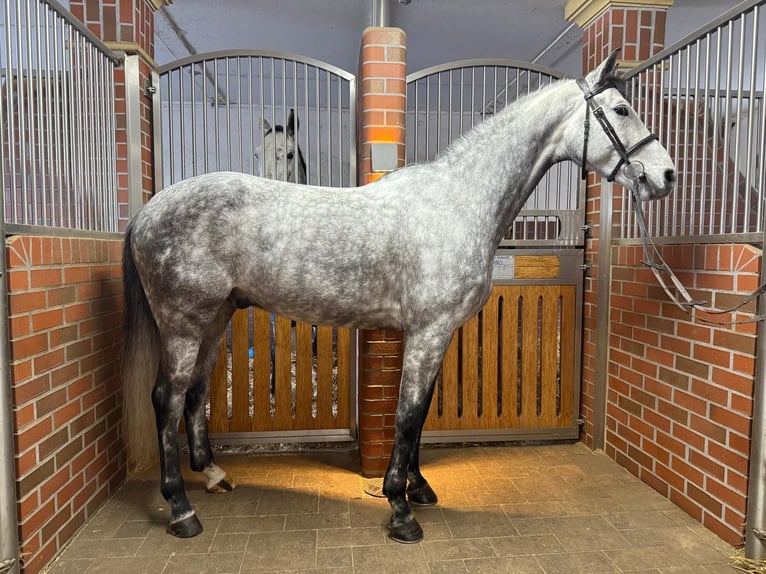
x: 637, y: 27
x: 128, y: 26
x: 381, y: 119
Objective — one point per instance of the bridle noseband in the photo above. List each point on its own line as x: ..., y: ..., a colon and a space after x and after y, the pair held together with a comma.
x: 637, y: 173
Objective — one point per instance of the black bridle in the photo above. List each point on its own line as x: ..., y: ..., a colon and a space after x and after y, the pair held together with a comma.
x: 635, y: 174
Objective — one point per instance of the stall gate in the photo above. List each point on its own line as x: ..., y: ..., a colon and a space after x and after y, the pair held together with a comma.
x: 275, y: 380
x: 513, y: 370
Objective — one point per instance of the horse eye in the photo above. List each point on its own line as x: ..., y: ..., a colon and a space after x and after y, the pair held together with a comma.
x: 622, y: 111
x: 289, y: 155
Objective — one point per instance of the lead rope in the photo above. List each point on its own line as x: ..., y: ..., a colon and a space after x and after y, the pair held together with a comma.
x: 654, y: 261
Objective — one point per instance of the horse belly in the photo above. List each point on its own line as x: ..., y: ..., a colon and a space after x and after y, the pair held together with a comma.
x: 323, y: 295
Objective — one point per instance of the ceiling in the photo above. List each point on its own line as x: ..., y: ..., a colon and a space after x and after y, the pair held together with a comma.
x: 438, y: 31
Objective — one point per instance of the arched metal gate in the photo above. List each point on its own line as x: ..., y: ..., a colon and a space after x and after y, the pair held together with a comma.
x: 513, y: 370
x: 274, y: 380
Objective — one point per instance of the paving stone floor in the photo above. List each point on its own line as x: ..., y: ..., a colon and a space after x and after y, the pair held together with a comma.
x: 553, y: 509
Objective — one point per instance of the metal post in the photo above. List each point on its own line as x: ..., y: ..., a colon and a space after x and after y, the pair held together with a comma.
x: 755, y: 530
x: 379, y: 16
x: 9, y: 526
x: 133, y: 127
x: 601, y: 370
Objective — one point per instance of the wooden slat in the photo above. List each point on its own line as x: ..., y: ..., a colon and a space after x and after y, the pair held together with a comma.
x: 343, y: 352
x: 324, y: 377
x: 282, y: 364
x: 548, y: 343
x: 529, y: 357
x: 240, y: 371
x: 304, y: 368
x: 489, y: 338
x: 262, y: 419
x: 510, y: 355
x: 568, y: 293
x: 470, y: 352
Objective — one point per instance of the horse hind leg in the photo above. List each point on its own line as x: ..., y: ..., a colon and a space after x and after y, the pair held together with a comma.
x: 168, y: 397
x: 189, y: 354
x: 200, y: 453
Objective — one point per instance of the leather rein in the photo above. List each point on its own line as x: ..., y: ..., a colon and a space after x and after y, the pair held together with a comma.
x: 634, y: 171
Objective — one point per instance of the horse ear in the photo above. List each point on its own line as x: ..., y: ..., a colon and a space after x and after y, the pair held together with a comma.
x: 291, y: 123
x: 265, y: 126
x: 605, y: 71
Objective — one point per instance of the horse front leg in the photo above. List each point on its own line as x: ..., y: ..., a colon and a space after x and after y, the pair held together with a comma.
x: 422, y: 357
x: 168, y: 401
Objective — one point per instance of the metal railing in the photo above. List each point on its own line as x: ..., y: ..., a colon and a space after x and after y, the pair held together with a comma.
x: 446, y: 101
x: 209, y: 109
x: 704, y: 98
x: 58, y: 120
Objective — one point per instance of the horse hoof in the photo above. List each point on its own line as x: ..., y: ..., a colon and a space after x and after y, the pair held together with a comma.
x: 422, y: 495
x: 186, y: 527
x: 226, y: 484
x: 409, y: 532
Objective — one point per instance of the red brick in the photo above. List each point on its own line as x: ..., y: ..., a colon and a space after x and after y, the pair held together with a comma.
x: 45, y: 277
x: 24, y: 302
x: 730, y: 419
x: 31, y: 435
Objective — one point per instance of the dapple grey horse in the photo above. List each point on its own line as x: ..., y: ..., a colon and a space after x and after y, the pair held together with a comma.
x: 282, y: 156
x: 411, y: 252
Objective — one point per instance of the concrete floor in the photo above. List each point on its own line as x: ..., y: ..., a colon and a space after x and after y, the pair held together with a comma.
x: 554, y: 509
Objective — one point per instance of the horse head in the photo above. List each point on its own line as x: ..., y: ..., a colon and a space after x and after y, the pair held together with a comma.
x: 282, y: 157
x: 620, y: 147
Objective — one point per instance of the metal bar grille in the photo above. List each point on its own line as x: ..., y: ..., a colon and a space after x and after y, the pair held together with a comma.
x: 444, y: 102
x: 704, y: 98
x: 213, y: 105
x: 57, y: 113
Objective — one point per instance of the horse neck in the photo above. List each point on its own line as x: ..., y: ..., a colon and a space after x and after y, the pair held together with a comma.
x: 501, y: 161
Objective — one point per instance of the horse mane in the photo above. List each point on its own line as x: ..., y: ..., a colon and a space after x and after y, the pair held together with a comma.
x: 469, y: 138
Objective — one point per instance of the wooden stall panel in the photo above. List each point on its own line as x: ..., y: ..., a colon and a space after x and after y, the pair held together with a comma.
x: 512, y: 365
x: 273, y: 374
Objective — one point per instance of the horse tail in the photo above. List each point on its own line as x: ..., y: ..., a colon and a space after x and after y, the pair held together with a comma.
x: 140, y: 364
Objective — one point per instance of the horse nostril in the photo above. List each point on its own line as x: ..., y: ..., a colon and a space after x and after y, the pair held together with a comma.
x: 670, y: 176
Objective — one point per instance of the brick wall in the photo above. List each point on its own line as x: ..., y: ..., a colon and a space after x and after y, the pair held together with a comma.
x: 639, y: 32
x: 679, y: 403
x: 678, y: 391
x: 65, y: 306
x: 382, y: 105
